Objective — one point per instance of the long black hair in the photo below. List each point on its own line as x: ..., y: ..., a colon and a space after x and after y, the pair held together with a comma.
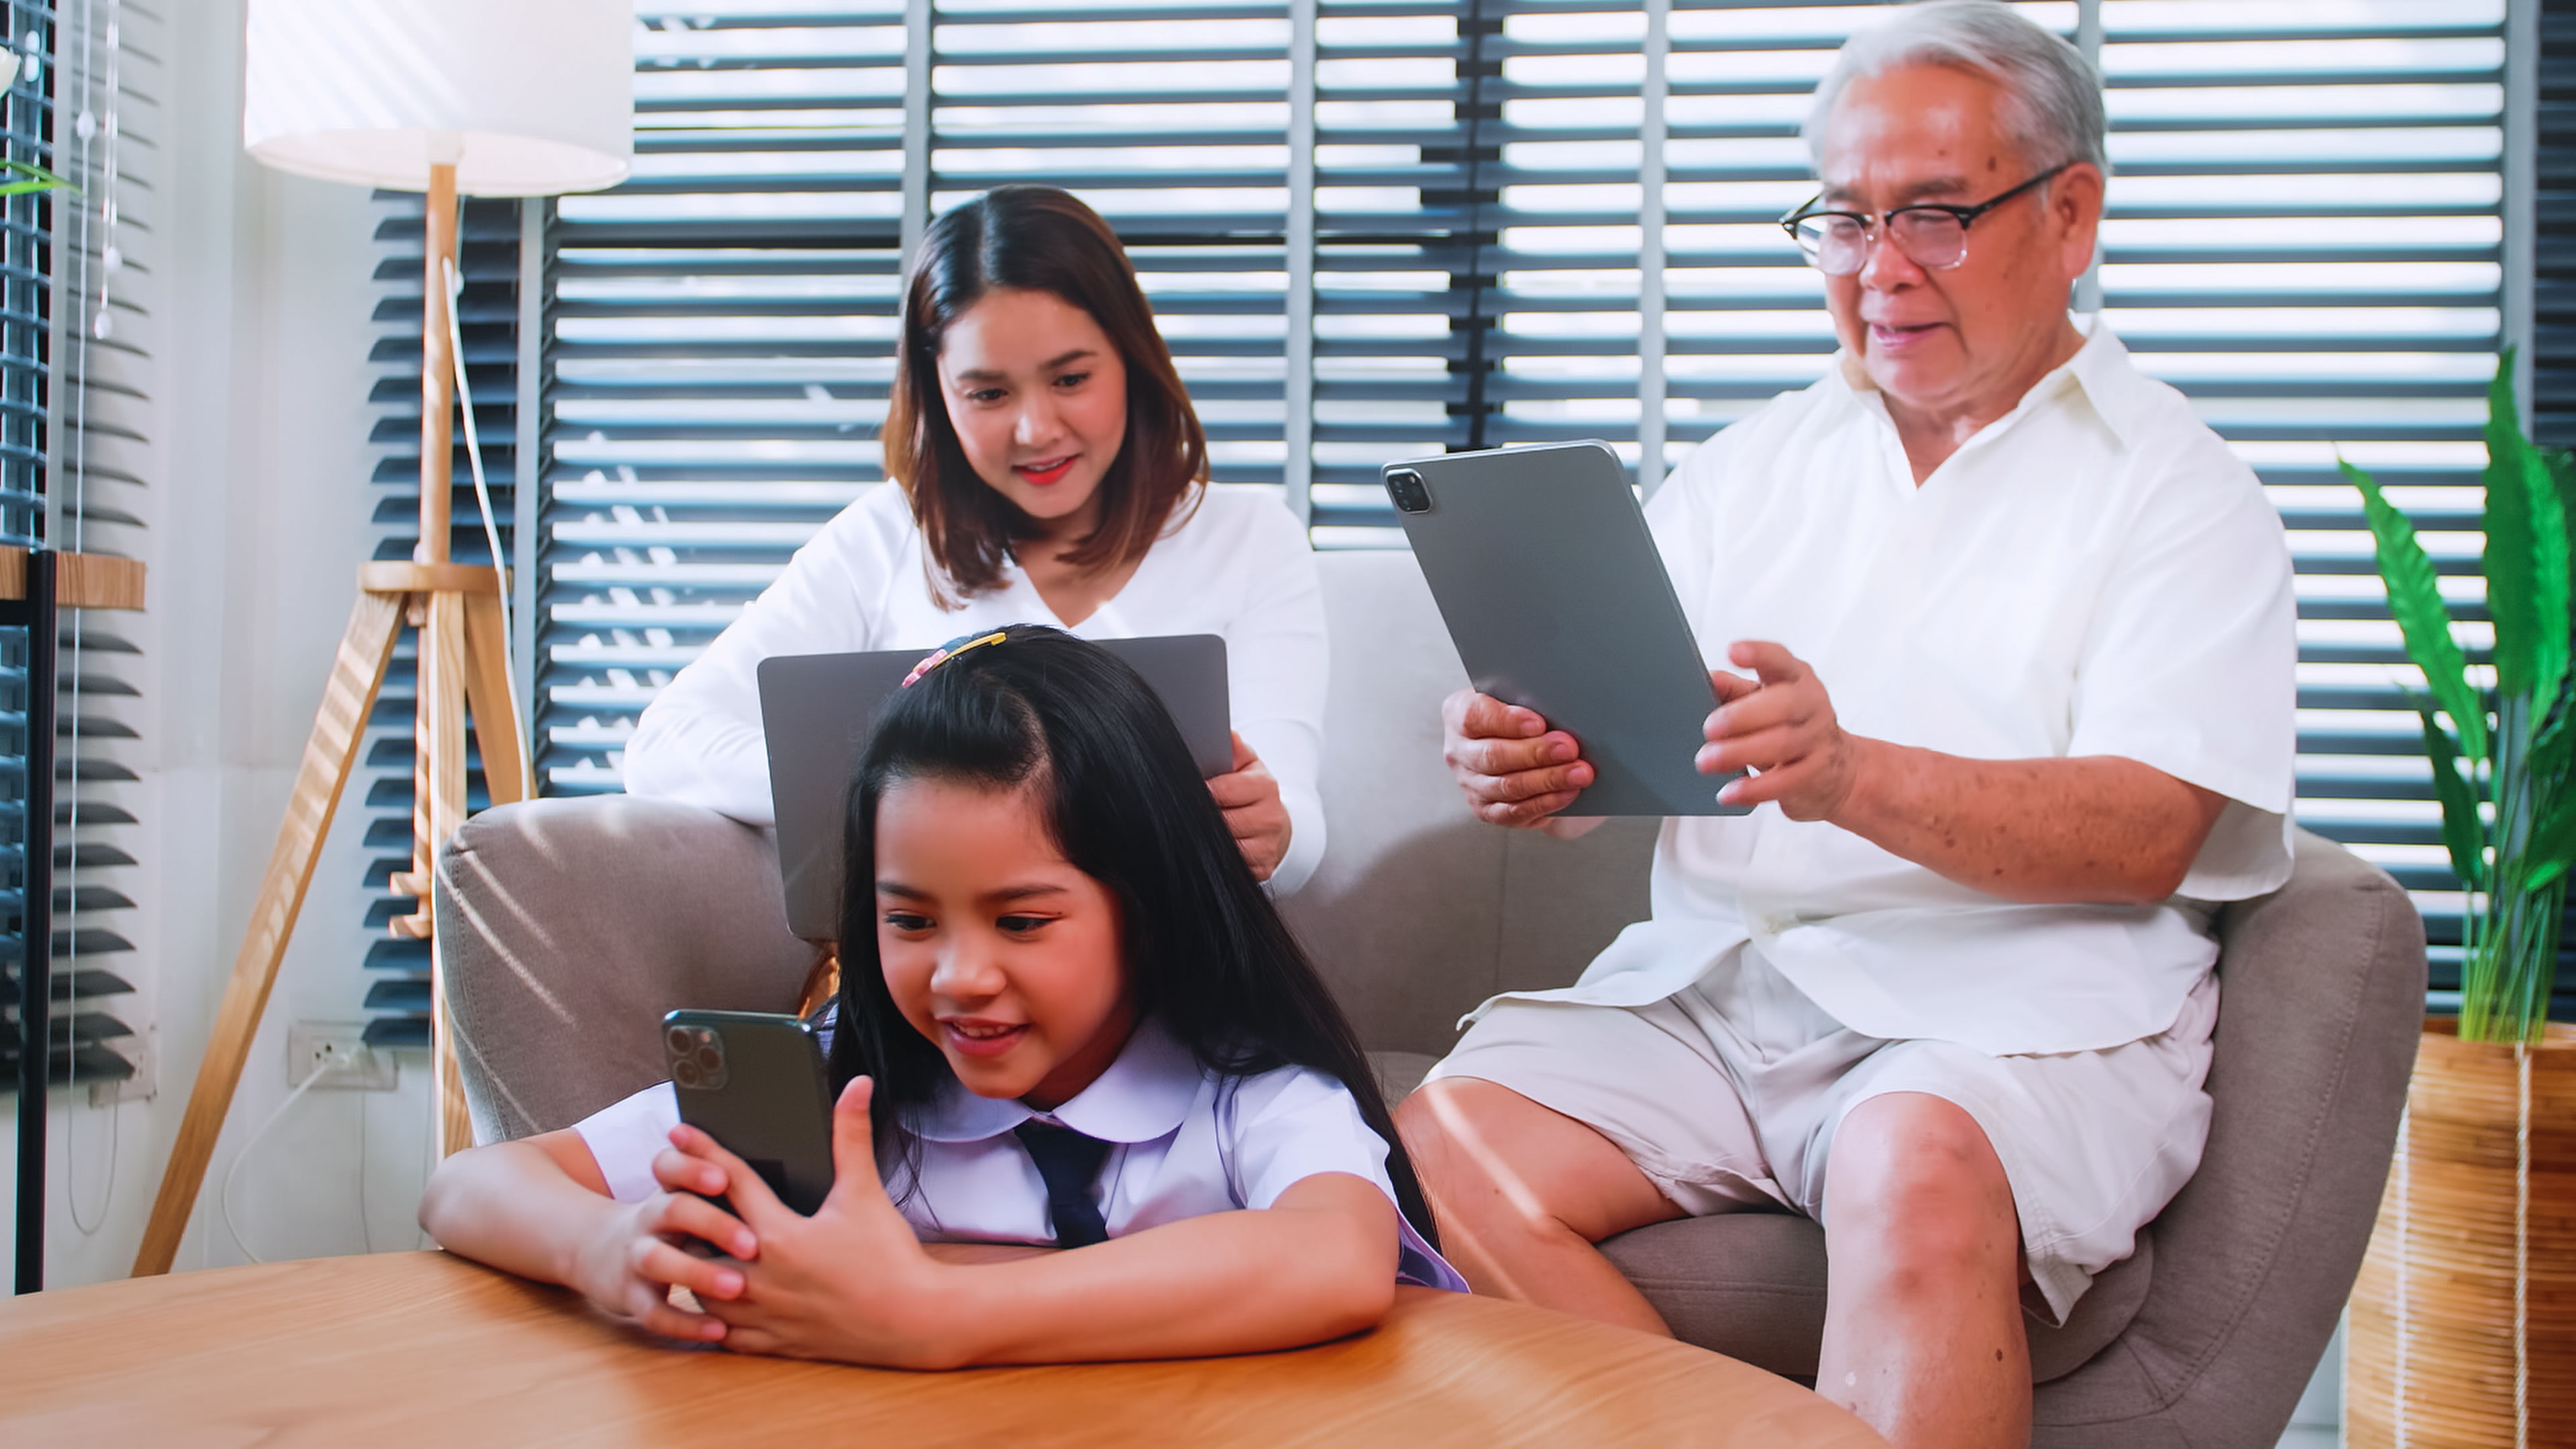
x: 1207, y: 955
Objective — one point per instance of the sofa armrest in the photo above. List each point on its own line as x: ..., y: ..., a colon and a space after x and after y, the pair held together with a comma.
x: 567, y: 927
x: 2321, y: 1004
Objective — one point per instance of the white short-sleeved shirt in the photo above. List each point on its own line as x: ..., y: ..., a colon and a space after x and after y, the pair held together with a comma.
x: 1238, y: 566
x: 2092, y: 574
x: 1186, y: 1142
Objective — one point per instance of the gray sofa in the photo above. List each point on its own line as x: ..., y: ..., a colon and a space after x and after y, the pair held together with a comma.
x: 569, y: 926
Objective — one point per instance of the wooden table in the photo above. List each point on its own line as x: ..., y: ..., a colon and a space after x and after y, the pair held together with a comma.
x: 422, y: 1348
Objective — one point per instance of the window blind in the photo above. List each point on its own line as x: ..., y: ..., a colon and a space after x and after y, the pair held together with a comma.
x: 1380, y: 227
x: 26, y: 235
x: 2306, y: 237
x: 722, y: 340
x: 74, y: 362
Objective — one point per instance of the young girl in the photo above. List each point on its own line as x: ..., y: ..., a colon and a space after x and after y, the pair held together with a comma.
x: 1050, y: 468
x: 1069, y: 1019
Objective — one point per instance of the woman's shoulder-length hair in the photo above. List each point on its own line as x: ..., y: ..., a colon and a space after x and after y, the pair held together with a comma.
x: 1034, y: 238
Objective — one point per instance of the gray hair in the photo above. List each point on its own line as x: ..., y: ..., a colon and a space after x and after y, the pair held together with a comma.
x: 2052, y: 95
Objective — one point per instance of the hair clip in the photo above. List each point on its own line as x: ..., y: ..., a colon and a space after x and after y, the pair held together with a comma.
x: 948, y: 651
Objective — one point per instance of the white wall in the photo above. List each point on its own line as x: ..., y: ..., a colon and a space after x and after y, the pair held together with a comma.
x: 259, y: 300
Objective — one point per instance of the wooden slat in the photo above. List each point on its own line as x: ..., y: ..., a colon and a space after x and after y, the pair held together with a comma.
x: 398, y: 576
x: 357, y: 672
x: 81, y: 580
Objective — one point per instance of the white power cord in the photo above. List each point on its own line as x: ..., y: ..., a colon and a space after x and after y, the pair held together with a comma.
x: 224, y: 1198
x: 474, y: 462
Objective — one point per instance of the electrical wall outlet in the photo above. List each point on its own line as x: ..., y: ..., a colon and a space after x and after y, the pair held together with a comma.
x: 337, y: 1050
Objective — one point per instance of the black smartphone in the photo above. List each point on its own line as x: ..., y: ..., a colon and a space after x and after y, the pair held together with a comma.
x: 754, y: 1082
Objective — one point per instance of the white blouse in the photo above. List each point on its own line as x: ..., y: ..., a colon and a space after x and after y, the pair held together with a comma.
x: 2094, y: 573
x: 1185, y: 1142
x: 1238, y: 567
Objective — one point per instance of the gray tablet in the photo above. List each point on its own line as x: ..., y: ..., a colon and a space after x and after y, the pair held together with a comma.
x: 1557, y: 600
x: 817, y: 710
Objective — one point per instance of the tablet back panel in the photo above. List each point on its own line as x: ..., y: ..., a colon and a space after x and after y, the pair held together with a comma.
x: 817, y: 710
x: 1557, y: 600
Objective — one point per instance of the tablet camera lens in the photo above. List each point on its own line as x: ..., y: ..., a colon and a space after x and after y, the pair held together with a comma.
x: 710, y: 1059
x: 684, y: 1073
x: 1406, y: 489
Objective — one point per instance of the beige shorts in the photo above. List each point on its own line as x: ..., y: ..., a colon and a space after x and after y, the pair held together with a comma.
x: 1726, y: 1095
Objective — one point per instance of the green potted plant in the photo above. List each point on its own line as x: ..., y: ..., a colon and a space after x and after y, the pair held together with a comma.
x: 2449, y: 1344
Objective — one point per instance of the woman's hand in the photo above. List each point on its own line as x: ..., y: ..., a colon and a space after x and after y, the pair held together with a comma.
x: 636, y: 1257
x: 849, y: 1283
x: 1249, y: 796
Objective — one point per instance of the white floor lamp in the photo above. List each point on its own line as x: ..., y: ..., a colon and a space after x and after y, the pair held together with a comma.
x: 447, y: 97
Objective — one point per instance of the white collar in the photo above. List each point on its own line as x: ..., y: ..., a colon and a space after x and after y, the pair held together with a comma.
x: 1141, y: 1097
x: 2100, y: 369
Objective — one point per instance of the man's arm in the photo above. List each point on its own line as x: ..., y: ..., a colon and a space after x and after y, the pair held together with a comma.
x: 2098, y: 829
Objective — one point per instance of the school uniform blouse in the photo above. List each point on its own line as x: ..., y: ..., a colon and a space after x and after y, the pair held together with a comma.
x: 1238, y: 566
x: 1184, y: 1142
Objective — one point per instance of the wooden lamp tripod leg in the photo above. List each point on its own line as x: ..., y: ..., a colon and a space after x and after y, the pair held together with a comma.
x: 483, y: 645
x: 462, y: 652
x: 460, y: 665
x: 357, y: 672
x: 496, y: 709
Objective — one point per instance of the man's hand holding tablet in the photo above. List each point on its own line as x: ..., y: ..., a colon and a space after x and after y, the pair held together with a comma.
x: 1584, y: 678
x: 1515, y: 770
x: 1780, y: 724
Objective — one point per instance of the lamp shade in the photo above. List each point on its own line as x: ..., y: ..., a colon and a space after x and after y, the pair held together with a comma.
x: 523, y: 97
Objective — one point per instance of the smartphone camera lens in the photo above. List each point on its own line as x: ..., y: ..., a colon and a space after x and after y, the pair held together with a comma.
x: 1406, y: 488
x: 697, y: 1058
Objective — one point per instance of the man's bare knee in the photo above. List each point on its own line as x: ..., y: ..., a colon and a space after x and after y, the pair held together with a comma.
x: 1914, y: 1179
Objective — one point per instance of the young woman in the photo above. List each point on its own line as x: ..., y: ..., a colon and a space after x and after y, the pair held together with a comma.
x: 1071, y: 1020
x: 1051, y: 472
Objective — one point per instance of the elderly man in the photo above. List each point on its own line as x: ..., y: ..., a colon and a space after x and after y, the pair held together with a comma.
x: 2018, y: 632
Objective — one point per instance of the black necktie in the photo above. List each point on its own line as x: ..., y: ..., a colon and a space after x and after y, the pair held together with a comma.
x: 1070, y: 1163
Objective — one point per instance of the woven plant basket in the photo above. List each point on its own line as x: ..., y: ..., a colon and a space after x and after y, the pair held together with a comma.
x: 2485, y: 1176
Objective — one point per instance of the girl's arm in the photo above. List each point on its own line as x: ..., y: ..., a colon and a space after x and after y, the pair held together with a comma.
x: 1315, y: 1265
x: 851, y: 1283
x: 540, y: 1208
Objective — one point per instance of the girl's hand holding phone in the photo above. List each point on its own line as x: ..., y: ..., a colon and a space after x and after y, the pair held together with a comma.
x: 849, y: 1283
x: 630, y: 1265
x: 1249, y: 796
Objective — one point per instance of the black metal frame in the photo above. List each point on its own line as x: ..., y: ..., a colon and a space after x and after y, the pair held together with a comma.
x: 37, y: 613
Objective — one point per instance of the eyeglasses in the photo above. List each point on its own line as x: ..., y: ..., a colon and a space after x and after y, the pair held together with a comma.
x: 1932, y: 236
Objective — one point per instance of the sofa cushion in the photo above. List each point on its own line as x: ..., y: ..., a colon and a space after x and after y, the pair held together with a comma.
x: 1419, y: 911
x: 570, y: 926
